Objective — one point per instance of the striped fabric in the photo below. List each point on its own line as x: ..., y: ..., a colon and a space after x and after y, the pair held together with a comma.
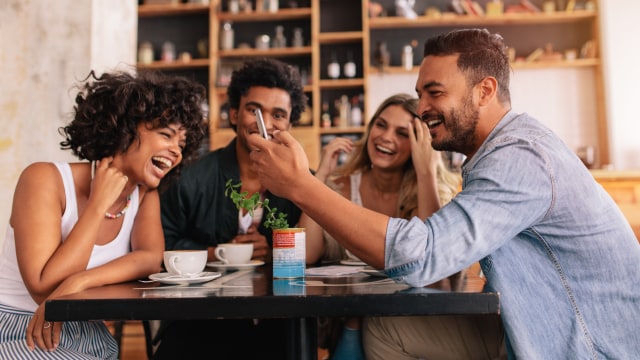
x: 79, y: 339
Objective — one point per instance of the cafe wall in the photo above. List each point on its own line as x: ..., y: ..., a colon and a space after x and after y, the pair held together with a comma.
x: 46, y: 47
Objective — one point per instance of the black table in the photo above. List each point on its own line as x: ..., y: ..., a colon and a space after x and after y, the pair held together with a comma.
x: 254, y: 294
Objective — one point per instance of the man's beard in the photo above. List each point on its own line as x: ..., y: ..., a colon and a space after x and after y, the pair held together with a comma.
x: 461, y: 126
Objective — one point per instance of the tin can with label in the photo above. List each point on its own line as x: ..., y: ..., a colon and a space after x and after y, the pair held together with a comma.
x: 289, y: 253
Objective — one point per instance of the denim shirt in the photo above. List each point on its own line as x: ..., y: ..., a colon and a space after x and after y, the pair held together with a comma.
x: 549, y: 239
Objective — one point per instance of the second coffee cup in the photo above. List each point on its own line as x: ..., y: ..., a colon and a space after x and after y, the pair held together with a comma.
x: 234, y: 254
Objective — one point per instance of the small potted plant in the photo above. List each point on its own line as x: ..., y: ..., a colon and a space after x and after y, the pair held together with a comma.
x: 288, y: 243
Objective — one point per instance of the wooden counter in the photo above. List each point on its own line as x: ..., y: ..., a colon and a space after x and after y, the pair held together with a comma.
x: 624, y: 188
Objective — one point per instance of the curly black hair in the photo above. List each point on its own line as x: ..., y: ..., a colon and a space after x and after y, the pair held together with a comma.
x: 108, y: 109
x: 269, y: 73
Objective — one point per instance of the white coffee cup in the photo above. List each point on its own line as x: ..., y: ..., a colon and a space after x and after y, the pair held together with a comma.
x: 185, y: 262
x: 234, y: 254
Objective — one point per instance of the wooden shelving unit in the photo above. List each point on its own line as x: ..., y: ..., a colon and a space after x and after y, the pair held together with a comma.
x: 338, y: 26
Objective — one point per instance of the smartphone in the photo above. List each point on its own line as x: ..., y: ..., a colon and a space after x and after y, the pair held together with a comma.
x: 261, y: 127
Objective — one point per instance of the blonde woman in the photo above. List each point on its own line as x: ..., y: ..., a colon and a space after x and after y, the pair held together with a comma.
x: 391, y: 170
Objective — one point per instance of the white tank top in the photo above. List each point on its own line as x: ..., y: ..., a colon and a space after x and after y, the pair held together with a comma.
x: 14, y: 293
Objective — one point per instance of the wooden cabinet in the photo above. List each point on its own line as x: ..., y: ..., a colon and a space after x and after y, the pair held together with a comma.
x: 343, y: 30
x: 624, y: 188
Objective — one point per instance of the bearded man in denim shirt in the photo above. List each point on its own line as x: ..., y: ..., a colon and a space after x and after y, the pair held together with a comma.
x: 549, y: 239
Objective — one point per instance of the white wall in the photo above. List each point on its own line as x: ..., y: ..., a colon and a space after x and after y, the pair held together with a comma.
x: 569, y: 110
x: 621, y: 57
x: 47, y: 47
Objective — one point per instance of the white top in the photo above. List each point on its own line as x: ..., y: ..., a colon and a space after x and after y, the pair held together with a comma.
x: 14, y: 293
x: 333, y: 249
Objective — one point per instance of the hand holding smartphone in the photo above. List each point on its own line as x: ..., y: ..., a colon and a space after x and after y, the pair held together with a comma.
x: 261, y: 127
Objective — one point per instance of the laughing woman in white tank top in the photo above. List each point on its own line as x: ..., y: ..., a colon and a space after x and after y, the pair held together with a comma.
x: 79, y: 225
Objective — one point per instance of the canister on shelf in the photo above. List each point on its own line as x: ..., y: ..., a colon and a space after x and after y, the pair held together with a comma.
x: 145, y: 53
x: 226, y: 37
x: 407, y: 57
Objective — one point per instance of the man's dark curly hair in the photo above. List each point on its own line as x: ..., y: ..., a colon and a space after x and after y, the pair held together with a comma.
x: 269, y: 73
x: 108, y: 109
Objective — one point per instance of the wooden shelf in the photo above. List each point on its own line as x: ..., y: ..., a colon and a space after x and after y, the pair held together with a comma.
x: 340, y: 37
x: 171, y: 9
x: 394, y: 22
x: 342, y: 130
x: 375, y: 70
x: 251, y: 52
x: 255, y: 16
x: 556, y: 64
x: 176, y: 65
x: 340, y: 83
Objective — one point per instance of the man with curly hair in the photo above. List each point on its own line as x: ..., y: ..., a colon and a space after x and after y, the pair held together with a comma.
x: 196, y: 214
x: 79, y: 225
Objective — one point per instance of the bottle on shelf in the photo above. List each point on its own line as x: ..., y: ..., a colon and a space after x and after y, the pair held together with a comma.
x: 326, y: 115
x: 145, y: 53
x: 298, y: 40
x: 271, y: 5
x: 381, y: 56
x: 168, y: 51
x: 344, y: 112
x: 407, y: 57
x: 350, y: 66
x: 226, y: 37
x: 333, y: 70
x: 234, y: 6
x: 279, y: 40
x: 356, y: 111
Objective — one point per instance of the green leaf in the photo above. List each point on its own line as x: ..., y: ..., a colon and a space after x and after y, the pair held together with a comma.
x: 249, y: 203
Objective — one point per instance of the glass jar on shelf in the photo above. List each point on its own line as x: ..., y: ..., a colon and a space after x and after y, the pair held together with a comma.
x: 279, y: 40
x: 226, y: 36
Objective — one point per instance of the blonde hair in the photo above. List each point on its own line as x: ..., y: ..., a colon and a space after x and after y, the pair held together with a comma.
x: 448, y: 182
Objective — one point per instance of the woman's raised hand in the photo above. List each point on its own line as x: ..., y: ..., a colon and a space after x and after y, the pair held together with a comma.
x: 107, y: 184
x: 330, y: 154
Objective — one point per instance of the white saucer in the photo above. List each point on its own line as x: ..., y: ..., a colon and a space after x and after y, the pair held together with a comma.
x: 222, y: 266
x: 373, y: 272
x: 167, y: 278
x: 352, y: 262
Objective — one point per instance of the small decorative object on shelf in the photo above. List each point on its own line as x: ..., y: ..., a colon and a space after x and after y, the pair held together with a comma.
x: 407, y: 57
x: 549, y: 7
x: 326, y: 115
x: 226, y: 37
x: 234, y: 6
x: 168, y: 51
x: 279, y: 40
x: 298, y: 40
x: 262, y: 42
x: 333, y: 69
x: 145, y: 53
x: 203, y: 48
x: 495, y: 7
x: 405, y: 8
x: 349, y: 66
x: 381, y: 56
x: 356, y: 110
x: 185, y: 56
x: 268, y: 5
